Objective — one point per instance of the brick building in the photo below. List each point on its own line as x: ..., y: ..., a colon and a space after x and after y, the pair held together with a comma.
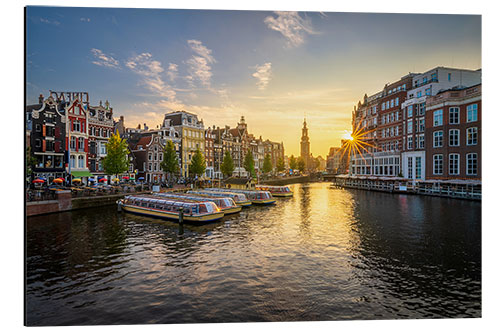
x: 47, y: 138
x: 453, y: 134
x: 101, y: 127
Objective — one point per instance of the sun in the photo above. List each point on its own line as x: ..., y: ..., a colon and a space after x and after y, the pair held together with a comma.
x: 347, y: 135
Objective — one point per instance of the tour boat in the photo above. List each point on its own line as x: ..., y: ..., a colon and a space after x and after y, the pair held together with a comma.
x: 225, y: 204
x: 256, y: 197
x: 276, y: 191
x: 239, y: 198
x: 194, y: 211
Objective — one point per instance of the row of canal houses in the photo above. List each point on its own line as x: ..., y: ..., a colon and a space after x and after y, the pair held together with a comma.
x: 424, y: 126
x: 67, y: 137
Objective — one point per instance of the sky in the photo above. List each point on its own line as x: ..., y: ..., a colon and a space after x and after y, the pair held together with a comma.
x: 273, y: 68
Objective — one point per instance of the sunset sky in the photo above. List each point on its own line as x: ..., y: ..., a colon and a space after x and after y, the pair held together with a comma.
x: 272, y: 67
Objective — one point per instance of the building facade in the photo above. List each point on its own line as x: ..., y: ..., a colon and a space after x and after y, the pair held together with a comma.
x: 48, y: 138
x: 453, y: 134
x: 101, y: 127
x: 425, y: 85
x: 147, y: 156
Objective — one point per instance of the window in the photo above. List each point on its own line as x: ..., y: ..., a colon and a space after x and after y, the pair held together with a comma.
x: 421, y: 109
x: 150, y: 167
x: 80, y: 162
x: 428, y: 92
x: 392, y: 103
x: 472, y: 164
x: 410, y: 111
x: 383, y: 106
x: 102, y: 150
x: 410, y: 167
x: 410, y: 142
x: 76, y: 125
x: 433, y: 77
x: 397, y: 101
x: 150, y: 156
x: 454, y: 164
x: 438, y: 117
x: 438, y: 164
x: 419, y: 94
x: 418, y: 167
x: 80, y: 144
x: 72, y: 144
x: 410, y: 126
x: 421, y: 141
x: 449, y: 76
x: 424, y: 80
x: 38, y: 128
x: 438, y: 139
x: 72, y: 161
x: 454, y: 116
x: 472, y: 136
x: 421, y: 125
x: 454, y: 139
x: 471, y: 113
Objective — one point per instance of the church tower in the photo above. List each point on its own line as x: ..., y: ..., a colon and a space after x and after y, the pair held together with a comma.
x: 305, y: 151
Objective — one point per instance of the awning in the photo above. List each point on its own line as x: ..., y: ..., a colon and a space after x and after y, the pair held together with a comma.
x: 81, y: 174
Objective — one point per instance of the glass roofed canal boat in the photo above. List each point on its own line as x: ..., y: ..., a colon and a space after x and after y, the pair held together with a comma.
x: 169, y: 208
x: 225, y: 204
x: 239, y: 198
x: 276, y: 191
x: 256, y: 197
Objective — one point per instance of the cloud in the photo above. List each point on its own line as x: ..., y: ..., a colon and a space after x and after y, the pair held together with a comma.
x: 150, y: 71
x: 172, y: 71
x: 84, y: 19
x: 46, y: 21
x: 263, y: 75
x: 199, y: 64
x: 105, y: 60
x: 291, y: 25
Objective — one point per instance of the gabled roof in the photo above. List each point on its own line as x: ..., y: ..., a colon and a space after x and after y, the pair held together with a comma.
x: 144, y: 142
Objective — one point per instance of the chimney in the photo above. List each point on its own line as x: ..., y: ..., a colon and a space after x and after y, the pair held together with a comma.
x: 40, y: 99
x: 121, y: 119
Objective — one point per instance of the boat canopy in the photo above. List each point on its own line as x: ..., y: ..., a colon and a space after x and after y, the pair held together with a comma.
x: 273, y: 188
x: 238, y: 197
x: 219, y: 201
x: 251, y: 194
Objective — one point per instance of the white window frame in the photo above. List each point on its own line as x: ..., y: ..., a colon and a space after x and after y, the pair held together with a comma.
x: 456, y: 112
x: 437, y: 158
x: 468, y: 159
x: 474, y: 142
x: 455, y: 135
x: 455, y: 158
x: 436, y: 136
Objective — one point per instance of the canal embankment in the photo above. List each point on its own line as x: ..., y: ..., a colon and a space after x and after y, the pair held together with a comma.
x: 456, y: 189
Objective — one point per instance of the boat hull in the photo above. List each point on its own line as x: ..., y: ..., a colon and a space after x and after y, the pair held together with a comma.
x: 172, y: 216
x: 282, y: 195
x: 232, y: 210
x: 244, y: 203
x: 264, y: 202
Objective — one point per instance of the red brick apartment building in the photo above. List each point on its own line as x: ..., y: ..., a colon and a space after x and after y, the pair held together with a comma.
x: 453, y: 134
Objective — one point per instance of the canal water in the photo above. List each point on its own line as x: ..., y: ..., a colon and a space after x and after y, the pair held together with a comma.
x: 325, y: 254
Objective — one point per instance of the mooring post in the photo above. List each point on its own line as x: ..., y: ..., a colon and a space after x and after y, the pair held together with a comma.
x: 181, y: 221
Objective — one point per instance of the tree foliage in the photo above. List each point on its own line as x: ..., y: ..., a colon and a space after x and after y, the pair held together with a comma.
x: 280, y: 166
x: 293, y: 163
x: 170, y: 163
x: 197, y: 166
x: 30, y: 161
x: 301, y: 165
x: 227, y: 166
x: 116, y: 160
x: 248, y: 163
x: 268, y: 166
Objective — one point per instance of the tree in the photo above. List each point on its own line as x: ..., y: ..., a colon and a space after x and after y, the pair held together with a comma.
x: 293, y: 163
x: 301, y: 165
x: 227, y: 166
x: 249, y: 163
x: 268, y: 166
x: 197, y: 166
x: 116, y: 159
x: 170, y: 163
x: 30, y: 162
x: 280, y: 165
x: 316, y: 164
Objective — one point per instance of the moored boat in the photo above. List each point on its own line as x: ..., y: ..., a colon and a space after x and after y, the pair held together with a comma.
x: 239, y: 198
x: 276, y: 191
x: 193, y: 211
x: 225, y: 204
x: 256, y: 197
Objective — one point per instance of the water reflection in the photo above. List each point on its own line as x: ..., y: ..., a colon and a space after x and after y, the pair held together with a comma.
x: 324, y: 254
